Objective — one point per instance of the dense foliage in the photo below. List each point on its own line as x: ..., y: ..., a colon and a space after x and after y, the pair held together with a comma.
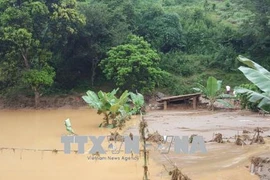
x: 29, y: 30
x: 65, y: 42
x: 133, y: 66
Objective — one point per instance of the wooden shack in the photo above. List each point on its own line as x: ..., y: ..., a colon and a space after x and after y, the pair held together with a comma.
x: 194, y: 97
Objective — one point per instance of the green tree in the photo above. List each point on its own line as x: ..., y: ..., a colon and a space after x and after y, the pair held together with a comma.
x: 162, y: 30
x: 133, y: 66
x: 29, y: 32
x: 102, y: 30
x: 256, y: 32
x: 39, y: 78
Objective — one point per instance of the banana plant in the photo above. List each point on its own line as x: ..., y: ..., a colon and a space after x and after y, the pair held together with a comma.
x: 102, y: 102
x: 137, y: 101
x: 125, y: 114
x: 117, y: 106
x: 213, y: 92
x: 115, y: 109
x: 260, y: 77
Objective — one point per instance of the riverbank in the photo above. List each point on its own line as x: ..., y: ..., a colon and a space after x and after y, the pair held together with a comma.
x: 46, y: 102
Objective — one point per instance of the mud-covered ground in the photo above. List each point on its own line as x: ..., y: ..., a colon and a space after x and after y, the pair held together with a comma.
x: 222, y: 160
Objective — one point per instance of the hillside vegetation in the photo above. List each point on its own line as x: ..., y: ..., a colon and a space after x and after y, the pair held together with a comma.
x: 49, y: 47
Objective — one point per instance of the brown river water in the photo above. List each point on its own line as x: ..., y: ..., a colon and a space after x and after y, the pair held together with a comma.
x: 42, y: 129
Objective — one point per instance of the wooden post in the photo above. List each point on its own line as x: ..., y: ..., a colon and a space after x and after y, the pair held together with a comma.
x: 165, y: 105
x: 142, y: 127
x: 194, y: 102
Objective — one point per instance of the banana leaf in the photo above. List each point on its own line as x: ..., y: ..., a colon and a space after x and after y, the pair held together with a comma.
x: 138, y: 102
x: 92, y: 100
x: 212, y: 87
x: 260, y: 77
x: 261, y: 80
x: 123, y: 98
x: 226, y: 96
x: 253, y: 96
x: 115, y: 108
x: 225, y: 103
x: 137, y: 99
x: 253, y: 65
x: 197, y: 89
x: 201, y: 89
x: 219, y: 83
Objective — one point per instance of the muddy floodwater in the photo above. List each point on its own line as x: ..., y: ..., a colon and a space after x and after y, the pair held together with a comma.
x: 33, y: 130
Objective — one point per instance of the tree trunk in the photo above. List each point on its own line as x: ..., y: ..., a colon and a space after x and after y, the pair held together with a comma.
x: 212, y: 105
x: 142, y: 126
x: 94, y: 66
x: 37, y: 97
x: 106, y: 118
x: 24, y: 55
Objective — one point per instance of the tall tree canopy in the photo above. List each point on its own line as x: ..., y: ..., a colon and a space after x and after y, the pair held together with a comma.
x: 29, y: 32
x: 133, y: 65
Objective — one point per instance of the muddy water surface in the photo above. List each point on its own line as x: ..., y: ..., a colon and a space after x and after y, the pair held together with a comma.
x: 42, y: 129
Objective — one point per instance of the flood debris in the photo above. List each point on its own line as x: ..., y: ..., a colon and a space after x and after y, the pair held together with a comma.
x: 257, y: 138
x: 263, y: 112
x: 176, y: 174
x: 246, y: 131
x: 155, y: 137
x: 191, y: 137
x: 239, y: 141
x: 218, y: 138
x: 242, y: 140
x: 260, y: 166
x: 131, y: 136
x: 256, y: 161
x: 55, y: 151
x: 115, y: 136
x: 97, y: 154
x: 156, y: 106
x: 245, y: 139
